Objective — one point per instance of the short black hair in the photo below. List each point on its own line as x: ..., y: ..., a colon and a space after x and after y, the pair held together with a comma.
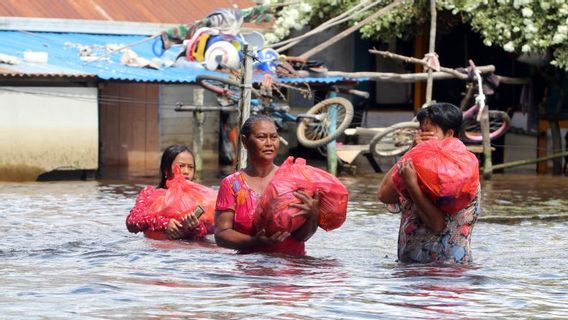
x: 168, y: 158
x: 444, y: 115
x: 246, y: 129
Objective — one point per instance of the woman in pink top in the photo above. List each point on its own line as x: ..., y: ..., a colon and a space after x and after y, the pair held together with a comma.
x: 240, y: 192
x: 159, y: 227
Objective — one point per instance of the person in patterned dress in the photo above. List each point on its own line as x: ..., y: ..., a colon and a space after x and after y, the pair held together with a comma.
x: 426, y: 233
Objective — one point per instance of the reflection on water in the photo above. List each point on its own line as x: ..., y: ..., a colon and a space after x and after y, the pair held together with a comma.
x: 65, y: 253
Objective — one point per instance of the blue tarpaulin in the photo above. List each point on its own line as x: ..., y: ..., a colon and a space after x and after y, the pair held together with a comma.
x: 64, y: 58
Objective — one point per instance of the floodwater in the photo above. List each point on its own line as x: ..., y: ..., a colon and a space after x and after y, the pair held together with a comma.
x: 65, y: 254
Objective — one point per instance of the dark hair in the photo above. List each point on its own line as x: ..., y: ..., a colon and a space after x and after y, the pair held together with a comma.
x: 246, y: 129
x: 444, y: 115
x: 168, y: 158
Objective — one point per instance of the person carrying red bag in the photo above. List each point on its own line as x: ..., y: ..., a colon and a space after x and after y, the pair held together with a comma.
x: 240, y: 192
x: 168, y: 211
x: 436, y: 187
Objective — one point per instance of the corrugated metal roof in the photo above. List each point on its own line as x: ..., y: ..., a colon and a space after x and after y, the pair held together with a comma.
x: 159, y: 11
x: 64, y: 59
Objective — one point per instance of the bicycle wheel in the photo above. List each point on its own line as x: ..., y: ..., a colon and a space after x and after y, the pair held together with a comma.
x: 394, y: 140
x: 499, y: 122
x: 313, y: 129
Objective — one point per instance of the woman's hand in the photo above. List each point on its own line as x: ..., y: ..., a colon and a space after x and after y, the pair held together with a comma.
x: 277, y: 237
x: 181, y: 229
x: 309, y: 206
x: 174, y: 229
x: 189, y: 221
x: 407, y: 172
x: 422, y: 136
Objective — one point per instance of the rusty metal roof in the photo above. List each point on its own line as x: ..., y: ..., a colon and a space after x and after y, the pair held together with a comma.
x: 156, y: 11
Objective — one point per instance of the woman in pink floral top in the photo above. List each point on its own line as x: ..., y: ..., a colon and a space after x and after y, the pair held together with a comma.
x: 426, y: 233
x: 160, y: 227
x: 239, y: 194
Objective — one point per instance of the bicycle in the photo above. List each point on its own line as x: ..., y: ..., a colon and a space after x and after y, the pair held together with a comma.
x: 313, y: 126
x: 399, y: 138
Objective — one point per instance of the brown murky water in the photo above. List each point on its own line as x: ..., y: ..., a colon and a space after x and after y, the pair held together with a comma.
x: 65, y: 253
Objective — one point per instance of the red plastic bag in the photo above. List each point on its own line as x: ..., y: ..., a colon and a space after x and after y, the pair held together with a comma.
x: 183, y: 196
x: 447, y: 173
x: 273, y: 212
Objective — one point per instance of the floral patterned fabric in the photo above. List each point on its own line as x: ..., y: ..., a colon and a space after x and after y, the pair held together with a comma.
x: 417, y: 243
x: 154, y: 226
x: 236, y: 196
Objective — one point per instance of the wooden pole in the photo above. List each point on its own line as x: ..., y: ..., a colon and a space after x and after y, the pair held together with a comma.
x: 306, y: 55
x: 556, y: 145
x: 331, y: 127
x: 431, y: 49
x: 529, y: 161
x: 488, y: 164
x: 244, y: 103
x: 197, y: 143
x: 419, y: 51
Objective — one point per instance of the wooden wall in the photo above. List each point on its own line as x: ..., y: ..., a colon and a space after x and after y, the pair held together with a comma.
x: 129, y: 129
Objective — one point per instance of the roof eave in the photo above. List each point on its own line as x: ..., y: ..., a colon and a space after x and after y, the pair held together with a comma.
x: 82, y: 26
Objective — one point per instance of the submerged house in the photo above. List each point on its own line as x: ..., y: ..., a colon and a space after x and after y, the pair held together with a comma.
x: 67, y: 105
x: 71, y: 102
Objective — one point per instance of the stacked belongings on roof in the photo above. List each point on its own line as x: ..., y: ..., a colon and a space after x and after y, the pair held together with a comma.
x: 217, y: 43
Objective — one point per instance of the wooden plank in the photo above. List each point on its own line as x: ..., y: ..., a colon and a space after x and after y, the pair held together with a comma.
x: 349, y: 152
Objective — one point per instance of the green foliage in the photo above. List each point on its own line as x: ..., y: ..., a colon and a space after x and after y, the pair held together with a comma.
x: 520, y: 26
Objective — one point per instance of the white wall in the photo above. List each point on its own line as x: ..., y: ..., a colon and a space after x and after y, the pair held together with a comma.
x: 47, y: 128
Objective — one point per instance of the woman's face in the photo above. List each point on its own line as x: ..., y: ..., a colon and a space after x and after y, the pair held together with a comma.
x: 428, y: 126
x: 263, y: 142
x: 185, y: 162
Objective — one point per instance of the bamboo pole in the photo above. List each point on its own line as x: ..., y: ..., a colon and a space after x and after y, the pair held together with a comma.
x: 346, y: 16
x: 306, y: 55
x: 529, y: 161
x: 431, y: 49
x: 454, y: 72
x: 132, y: 44
x: 386, y: 54
x: 405, y: 77
x: 244, y: 103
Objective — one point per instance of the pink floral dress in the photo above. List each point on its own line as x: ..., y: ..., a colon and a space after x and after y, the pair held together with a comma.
x: 235, y: 195
x: 416, y: 243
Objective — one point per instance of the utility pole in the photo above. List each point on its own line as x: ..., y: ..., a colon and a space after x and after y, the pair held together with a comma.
x: 244, y: 103
x: 197, y: 143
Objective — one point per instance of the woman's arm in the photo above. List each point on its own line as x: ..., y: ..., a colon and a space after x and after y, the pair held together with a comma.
x: 139, y: 220
x: 387, y: 192
x: 310, y: 208
x: 432, y: 216
x: 227, y: 237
